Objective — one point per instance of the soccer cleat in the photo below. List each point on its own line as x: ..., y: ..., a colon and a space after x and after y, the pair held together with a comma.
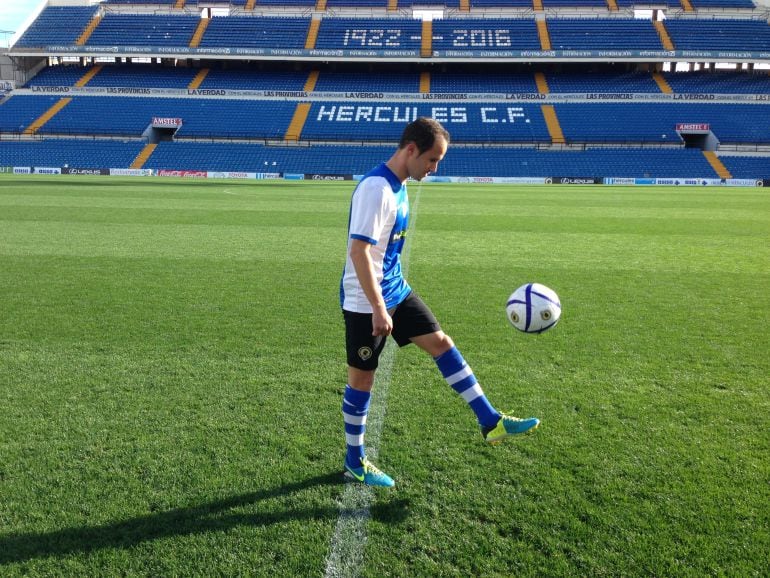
x: 507, y: 426
x: 369, y: 474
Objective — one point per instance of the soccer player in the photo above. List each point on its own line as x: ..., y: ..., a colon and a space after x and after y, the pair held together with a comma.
x: 377, y: 301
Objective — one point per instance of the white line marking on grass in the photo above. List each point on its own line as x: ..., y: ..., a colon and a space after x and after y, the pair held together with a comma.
x: 346, y: 556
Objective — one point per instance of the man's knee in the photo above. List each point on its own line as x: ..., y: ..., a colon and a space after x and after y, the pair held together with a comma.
x: 434, y: 343
x: 360, y: 379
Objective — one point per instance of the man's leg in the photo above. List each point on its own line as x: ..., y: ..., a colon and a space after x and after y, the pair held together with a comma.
x: 494, y: 425
x: 355, y: 408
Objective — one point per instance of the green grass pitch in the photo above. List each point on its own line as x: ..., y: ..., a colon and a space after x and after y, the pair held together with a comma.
x: 172, y: 365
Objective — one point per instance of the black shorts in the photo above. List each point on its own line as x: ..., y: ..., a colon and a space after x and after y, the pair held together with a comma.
x: 411, y: 318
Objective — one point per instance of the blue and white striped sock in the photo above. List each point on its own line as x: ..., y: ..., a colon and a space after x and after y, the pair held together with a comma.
x: 355, y: 407
x: 460, y: 376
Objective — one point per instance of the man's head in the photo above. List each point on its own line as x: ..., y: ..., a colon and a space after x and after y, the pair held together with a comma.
x: 423, y: 144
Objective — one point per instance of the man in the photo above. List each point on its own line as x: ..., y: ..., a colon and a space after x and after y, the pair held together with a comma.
x: 377, y: 301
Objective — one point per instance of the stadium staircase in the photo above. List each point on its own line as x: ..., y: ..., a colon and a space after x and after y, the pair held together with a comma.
x: 250, y: 4
x: 542, y: 83
x: 195, y: 41
x: 612, y: 5
x: 312, y: 80
x: 542, y: 32
x: 294, y: 132
x: 425, y: 82
x: 320, y: 6
x: 662, y: 83
x: 312, y: 33
x: 665, y: 39
x: 46, y: 116
x: 537, y: 5
x: 392, y: 5
x: 143, y: 156
x: 86, y: 34
x: 426, y: 48
x: 86, y: 78
x: 719, y: 168
x: 686, y: 6
x: 465, y: 5
x: 199, y: 78
x: 552, y: 122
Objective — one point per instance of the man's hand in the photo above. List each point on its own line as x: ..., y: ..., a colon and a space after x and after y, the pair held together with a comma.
x: 382, y: 324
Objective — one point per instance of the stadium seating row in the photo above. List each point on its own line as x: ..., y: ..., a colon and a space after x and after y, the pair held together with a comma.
x: 331, y: 159
x: 359, y: 121
x: 234, y: 78
x: 64, y: 25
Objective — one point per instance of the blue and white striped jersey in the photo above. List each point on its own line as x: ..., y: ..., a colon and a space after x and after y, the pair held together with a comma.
x: 379, y: 214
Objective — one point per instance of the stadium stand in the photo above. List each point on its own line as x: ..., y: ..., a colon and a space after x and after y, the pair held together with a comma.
x: 656, y: 122
x: 718, y: 82
x: 357, y: 82
x: 80, y: 153
x: 490, y: 82
x: 510, y: 133
x: 484, y: 161
x: 606, y: 82
x: 254, y: 32
x: 602, y: 33
x: 747, y: 167
x: 487, y: 35
x: 702, y: 34
x: 57, y: 25
x: 149, y: 30
x: 368, y: 33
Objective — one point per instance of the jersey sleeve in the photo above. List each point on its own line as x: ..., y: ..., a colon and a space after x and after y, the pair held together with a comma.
x: 368, y: 210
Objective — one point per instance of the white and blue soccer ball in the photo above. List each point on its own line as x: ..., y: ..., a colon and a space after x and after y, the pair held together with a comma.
x: 533, y: 308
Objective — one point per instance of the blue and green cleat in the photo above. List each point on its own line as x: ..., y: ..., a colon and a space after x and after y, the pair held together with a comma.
x: 508, y: 426
x: 369, y: 474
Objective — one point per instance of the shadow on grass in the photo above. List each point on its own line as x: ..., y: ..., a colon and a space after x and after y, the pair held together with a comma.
x: 210, y: 517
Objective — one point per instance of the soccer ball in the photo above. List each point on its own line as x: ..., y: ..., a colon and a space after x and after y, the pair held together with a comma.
x: 533, y: 308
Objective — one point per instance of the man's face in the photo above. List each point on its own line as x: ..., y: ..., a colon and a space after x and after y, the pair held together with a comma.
x: 421, y: 165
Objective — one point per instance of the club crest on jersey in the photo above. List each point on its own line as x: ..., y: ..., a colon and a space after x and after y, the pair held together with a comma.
x: 365, y: 353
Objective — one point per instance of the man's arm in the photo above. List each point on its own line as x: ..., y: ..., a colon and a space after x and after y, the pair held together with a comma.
x: 360, y: 255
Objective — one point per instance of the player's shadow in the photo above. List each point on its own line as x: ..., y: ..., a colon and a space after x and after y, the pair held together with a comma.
x: 209, y: 517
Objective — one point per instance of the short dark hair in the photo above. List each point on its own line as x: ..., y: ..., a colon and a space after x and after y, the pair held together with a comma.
x: 423, y: 132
